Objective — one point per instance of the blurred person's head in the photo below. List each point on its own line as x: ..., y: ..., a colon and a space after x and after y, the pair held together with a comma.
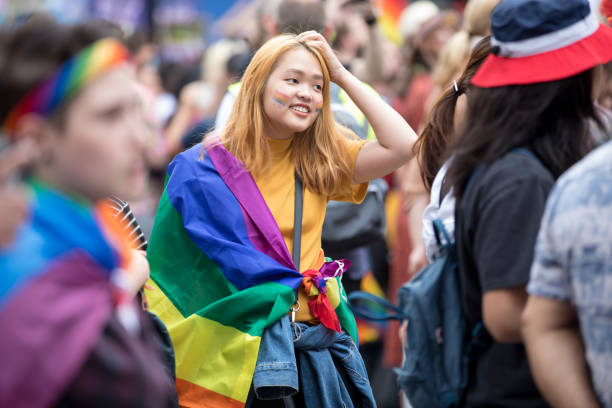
x: 266, y: 15
x: 447, y: 117
x: 415, y: 15
x: 285, y: 94
x: 455, y: 53
x: 425, y: 29
x: 477, y: 17
x: 297, y: 16
x: 214, y: 61
x: 237, y: 64
x: 452, y: 59
x: 536, y: 88
x: 142, y: 48
x: 351, y: 38
x: 71, y: 90
x: 214, y: 73
x: 605, y: 90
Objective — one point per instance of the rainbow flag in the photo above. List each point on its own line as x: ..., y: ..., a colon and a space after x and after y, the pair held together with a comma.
x: 55, y: 297
x: 222, y: 273
x: 390, y: 11
x: 370, y: 331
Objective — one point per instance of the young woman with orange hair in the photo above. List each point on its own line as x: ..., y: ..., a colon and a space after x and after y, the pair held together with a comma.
x: 220, y: 248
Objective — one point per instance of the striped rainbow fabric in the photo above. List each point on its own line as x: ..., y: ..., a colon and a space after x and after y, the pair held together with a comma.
x: 222, y: 273
x: 390, y: 11
x: 68, y: 79
x: 55, y: 296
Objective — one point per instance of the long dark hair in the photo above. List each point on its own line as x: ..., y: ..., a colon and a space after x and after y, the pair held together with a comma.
x: 550, y: 118
x: 433, y: 141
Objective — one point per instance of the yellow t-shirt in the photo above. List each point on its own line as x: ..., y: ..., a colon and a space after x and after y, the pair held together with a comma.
x: 277, y: 187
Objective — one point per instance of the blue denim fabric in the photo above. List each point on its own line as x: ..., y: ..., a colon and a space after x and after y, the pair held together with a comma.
x: 276, y: 373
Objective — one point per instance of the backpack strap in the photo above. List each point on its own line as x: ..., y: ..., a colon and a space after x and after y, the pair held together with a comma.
x: 379, y: 302
x: 441, y: 233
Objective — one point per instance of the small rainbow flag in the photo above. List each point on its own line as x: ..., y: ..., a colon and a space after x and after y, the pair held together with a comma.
x: 389, y: 18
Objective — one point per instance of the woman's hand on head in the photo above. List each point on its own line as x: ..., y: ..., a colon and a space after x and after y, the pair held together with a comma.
x: 336, y: 69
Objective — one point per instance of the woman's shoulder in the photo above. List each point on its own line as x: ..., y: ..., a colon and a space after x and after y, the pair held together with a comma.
x: 517, y: 167
x: 195, y: 158
x: 513, y: 175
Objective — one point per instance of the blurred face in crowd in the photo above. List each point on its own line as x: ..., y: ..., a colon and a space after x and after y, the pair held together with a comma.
x: 98, y: 150
x: 432, y: 43
x: 602, y: 85
x: 293, y: 95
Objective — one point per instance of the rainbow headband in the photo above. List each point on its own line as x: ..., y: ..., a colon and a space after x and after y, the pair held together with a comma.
x: 68, y: 79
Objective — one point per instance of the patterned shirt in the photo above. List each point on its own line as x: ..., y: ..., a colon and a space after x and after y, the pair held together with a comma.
x: 573, y: 258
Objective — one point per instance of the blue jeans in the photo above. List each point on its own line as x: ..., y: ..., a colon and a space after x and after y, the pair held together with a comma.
x: 316, y: 348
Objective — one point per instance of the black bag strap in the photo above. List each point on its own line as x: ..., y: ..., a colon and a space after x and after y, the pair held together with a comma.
x: 297, y: 222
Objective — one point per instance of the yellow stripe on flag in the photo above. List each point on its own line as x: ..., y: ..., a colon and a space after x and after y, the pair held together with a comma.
x: 333, y: 292
x: 208, y: 354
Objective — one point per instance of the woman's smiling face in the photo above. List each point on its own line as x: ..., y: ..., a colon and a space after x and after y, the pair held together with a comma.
x: 293, y: 95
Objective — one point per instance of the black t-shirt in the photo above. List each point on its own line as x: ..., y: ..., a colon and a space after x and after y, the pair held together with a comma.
x: 496, y: 227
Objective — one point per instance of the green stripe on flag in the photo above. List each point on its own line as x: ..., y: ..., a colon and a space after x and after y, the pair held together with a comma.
x: 196, y: 285
x: 345, y: 314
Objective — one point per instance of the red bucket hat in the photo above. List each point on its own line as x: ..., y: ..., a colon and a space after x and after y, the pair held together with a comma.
x: 543, y: 40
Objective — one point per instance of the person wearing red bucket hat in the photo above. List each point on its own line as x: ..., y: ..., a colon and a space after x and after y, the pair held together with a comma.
x: 527, y: 123
x: 539, y: 41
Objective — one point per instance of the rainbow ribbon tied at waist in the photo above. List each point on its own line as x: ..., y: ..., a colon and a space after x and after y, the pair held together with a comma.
x: 315, y: 285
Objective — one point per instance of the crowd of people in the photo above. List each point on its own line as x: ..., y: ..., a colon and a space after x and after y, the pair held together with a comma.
x: 187, y: 236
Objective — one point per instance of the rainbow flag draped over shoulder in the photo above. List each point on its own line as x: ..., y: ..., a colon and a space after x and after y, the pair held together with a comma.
x: 222, y: 274
x: 55, y: 297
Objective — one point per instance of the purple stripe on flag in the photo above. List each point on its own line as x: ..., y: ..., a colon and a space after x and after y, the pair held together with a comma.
x: 48, y: 329
x: 261, y: 226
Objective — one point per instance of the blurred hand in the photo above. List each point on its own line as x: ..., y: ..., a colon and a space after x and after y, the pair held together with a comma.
x: 336, y: 69
x: 137, y: 272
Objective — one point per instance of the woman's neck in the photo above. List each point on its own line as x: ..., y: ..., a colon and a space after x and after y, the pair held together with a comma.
x: 276, y: 133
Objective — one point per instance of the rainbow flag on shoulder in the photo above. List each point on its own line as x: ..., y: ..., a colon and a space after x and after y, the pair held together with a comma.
x: 55, y: 296
x: 222, y: 274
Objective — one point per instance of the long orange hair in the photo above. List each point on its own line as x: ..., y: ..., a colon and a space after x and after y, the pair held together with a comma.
x: 320, y: 153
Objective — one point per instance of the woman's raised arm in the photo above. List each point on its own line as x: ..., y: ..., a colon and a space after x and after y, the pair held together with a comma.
x: 394, y: 137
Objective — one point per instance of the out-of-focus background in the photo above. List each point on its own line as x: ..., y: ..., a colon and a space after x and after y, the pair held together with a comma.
x: 188, y: 53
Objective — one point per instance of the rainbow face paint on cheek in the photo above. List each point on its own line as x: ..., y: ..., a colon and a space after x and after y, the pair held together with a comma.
x: 280, y: 98
x: 318, y: 107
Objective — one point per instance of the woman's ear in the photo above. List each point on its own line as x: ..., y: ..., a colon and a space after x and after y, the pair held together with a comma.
x: 28, y: 127
x: 41, y: 136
